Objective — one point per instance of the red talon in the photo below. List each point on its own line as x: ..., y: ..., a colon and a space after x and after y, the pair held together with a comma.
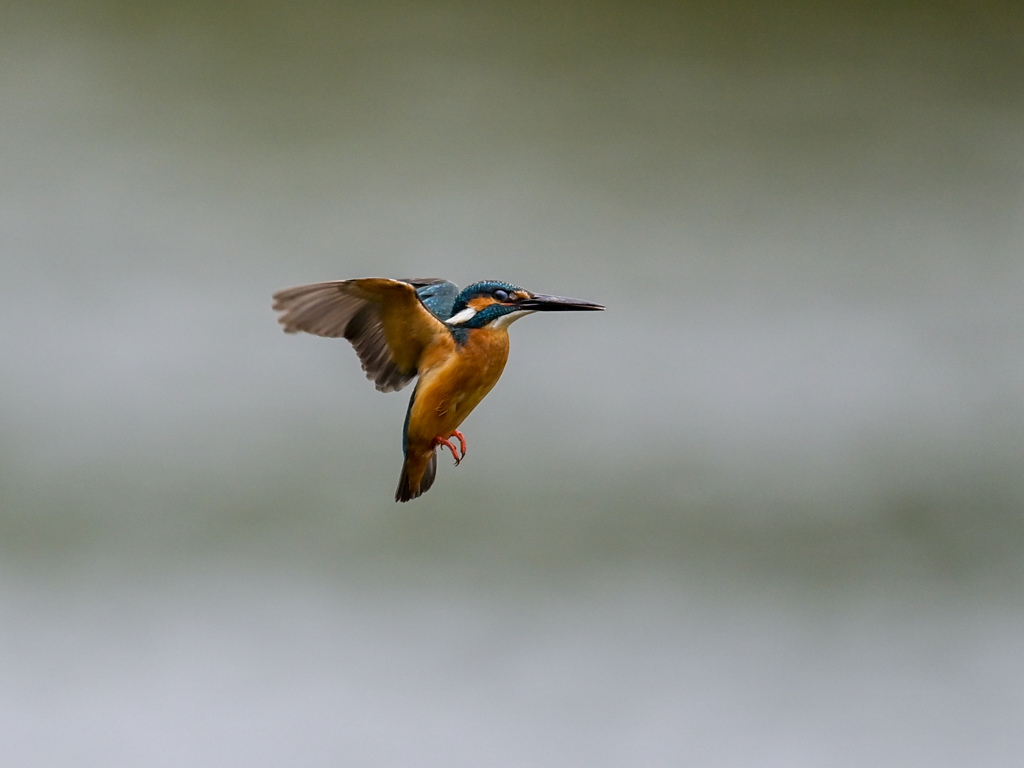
x: 451, y: 447
x: 462, y: 441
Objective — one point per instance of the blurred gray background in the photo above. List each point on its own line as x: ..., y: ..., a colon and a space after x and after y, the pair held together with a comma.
x: 767, y: 510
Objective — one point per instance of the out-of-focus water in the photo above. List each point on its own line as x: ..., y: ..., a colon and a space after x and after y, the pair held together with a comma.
x: 768, y: 509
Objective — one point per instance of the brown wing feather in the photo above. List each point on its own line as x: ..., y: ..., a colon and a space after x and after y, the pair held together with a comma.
x: 384, y: 319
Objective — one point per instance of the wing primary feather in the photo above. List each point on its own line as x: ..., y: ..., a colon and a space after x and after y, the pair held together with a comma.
x: 323, y: 309
x: 333, y: 310
x: 356, y: 310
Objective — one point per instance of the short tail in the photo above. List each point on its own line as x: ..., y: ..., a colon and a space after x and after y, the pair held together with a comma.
x: 406, y: 489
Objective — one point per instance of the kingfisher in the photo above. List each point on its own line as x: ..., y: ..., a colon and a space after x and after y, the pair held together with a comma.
x: 455, y: 341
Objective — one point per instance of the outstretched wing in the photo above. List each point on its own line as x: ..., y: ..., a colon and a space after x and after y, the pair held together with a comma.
x: 385, y: 320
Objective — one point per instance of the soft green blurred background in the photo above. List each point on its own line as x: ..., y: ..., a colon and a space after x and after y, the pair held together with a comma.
x: 767, y: 510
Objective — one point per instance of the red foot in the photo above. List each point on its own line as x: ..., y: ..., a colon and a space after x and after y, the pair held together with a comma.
x: 462, y: 441
x: 451, y: 446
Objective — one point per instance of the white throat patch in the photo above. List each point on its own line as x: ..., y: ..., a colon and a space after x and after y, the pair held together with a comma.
x: 506, y: 320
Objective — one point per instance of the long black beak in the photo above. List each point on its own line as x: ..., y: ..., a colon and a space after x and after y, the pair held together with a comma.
x: 538, y: 302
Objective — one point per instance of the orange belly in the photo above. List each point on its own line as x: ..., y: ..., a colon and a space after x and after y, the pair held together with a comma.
x: 453, y: 385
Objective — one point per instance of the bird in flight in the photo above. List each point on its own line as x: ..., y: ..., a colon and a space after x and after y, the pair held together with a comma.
x: 455, y: 341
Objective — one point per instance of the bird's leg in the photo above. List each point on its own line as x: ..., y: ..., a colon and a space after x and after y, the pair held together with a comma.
x: 451, y: 447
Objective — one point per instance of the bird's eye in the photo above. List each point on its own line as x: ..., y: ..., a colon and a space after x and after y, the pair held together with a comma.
x: 500, y: 295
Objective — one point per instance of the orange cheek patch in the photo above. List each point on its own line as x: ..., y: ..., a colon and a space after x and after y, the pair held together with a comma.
x: 480, y: 302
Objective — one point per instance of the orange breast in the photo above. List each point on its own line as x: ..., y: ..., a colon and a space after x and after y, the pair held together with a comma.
x: 453, y: 381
